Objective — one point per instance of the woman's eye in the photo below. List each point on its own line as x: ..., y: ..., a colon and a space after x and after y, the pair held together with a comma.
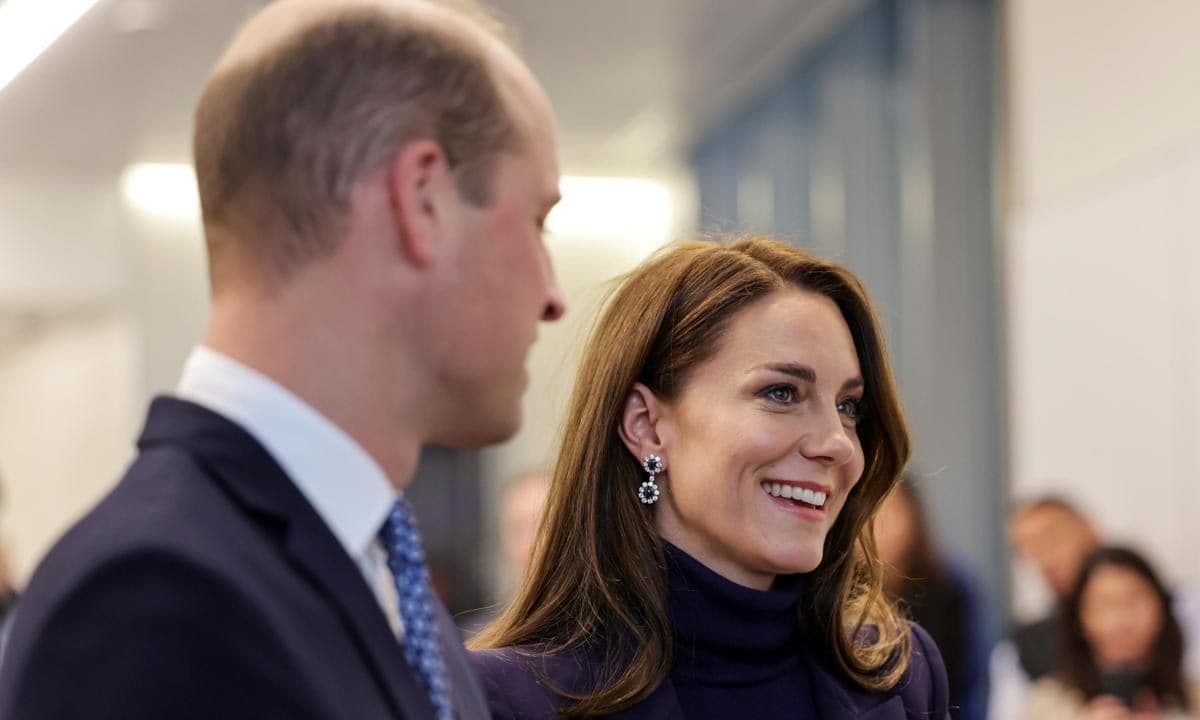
x: 782, y: 394
x: 851, y: 408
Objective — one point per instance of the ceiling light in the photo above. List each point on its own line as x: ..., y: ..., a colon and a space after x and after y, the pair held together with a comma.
x: 162, y: 190
x: 635, y: 208
x: 28, y: 27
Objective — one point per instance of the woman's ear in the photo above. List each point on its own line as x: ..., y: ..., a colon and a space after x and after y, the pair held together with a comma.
x: 640, y: 420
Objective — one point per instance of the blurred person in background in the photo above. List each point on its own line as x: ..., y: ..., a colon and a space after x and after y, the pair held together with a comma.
x: 1122, y: 648
x: 8, y: 590
x: 521, y: 510
x: 938, y: 595
x: 732, y: 431
x: 373, y: 176
x: 1054, y: 536
x: 522, y: 504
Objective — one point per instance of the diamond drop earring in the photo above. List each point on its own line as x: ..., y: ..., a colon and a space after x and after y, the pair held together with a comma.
x: 648, y: 491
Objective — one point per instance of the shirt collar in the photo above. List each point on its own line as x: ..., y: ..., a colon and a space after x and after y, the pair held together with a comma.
x: 335, y: 474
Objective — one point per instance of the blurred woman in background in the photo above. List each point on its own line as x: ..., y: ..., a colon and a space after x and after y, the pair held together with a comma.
x: 1123, y: 648
x: 937, y: 595
x: 732, y: 431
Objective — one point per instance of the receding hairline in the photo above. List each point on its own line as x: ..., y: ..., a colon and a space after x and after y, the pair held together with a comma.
x: 272, y: 29
x: 1047, y: 503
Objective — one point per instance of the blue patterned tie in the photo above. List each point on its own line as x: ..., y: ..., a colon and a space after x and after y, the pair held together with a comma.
x: 422, y: 649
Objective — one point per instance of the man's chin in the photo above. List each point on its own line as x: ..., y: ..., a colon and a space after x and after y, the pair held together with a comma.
x: 481, y: 431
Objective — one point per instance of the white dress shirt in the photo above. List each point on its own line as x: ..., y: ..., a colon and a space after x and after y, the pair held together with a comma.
x: 344, y: 484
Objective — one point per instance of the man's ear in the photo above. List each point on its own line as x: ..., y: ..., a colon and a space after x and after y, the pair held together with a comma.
x: 419, y: 176
x: 640, y: 423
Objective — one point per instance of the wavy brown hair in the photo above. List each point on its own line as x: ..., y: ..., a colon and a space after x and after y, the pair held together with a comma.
x: 597, y: 584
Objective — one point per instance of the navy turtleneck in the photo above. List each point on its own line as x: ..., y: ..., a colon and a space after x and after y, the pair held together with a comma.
x: 738, y: 651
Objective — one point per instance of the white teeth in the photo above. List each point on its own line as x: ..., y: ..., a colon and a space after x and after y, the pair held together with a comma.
x: 805, y: 495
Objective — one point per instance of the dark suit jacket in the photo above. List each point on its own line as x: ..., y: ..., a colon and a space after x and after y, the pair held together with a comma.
x: 516, y: 689
x: 205, y: 586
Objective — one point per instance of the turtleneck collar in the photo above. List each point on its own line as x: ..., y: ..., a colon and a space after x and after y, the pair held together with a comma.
x: 728, y: 634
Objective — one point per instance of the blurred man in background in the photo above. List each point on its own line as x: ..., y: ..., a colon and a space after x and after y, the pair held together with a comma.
x: 1054, y: 537
x: 373, y: 176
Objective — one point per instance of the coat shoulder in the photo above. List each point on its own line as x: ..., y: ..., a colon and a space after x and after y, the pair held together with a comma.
x: 522, y: 684
x: 924, y: 686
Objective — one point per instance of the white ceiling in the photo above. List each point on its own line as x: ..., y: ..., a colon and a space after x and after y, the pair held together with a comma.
x: 633, y: 81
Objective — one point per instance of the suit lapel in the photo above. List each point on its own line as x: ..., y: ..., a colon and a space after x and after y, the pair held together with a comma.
x: 313, y: 548
x: 256, y: 482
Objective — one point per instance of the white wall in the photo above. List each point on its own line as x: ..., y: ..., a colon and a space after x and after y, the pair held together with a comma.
x: 69, y: 413
x: 1103, y: 255
x: 98, y: 308
x: 60, y: 242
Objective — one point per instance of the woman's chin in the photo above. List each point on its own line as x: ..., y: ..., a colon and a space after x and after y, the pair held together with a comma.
x: 795, y: 562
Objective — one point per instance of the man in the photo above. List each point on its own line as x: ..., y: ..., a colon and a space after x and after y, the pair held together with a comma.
x: 373, y: 176
x: 1055, y: 538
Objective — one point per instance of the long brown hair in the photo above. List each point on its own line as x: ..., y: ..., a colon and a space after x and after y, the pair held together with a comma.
x: 1164, y: 676
x: 597, y: 583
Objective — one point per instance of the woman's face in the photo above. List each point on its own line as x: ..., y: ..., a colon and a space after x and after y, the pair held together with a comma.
x: 1121, y: 616
x: 761, y: 444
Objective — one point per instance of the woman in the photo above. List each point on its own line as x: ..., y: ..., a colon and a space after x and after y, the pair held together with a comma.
x: 733, y: 429
x: 937, y: 594
x: 1123, y: 648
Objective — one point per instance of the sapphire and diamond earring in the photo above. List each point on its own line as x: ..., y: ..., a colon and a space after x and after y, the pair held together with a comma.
x: 648, y: 491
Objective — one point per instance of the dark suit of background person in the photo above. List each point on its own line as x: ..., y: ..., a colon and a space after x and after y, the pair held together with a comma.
x: 381, y: 296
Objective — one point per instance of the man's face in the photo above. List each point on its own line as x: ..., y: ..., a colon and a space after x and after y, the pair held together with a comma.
x: 1055, y: 541
x: 502, y: 286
